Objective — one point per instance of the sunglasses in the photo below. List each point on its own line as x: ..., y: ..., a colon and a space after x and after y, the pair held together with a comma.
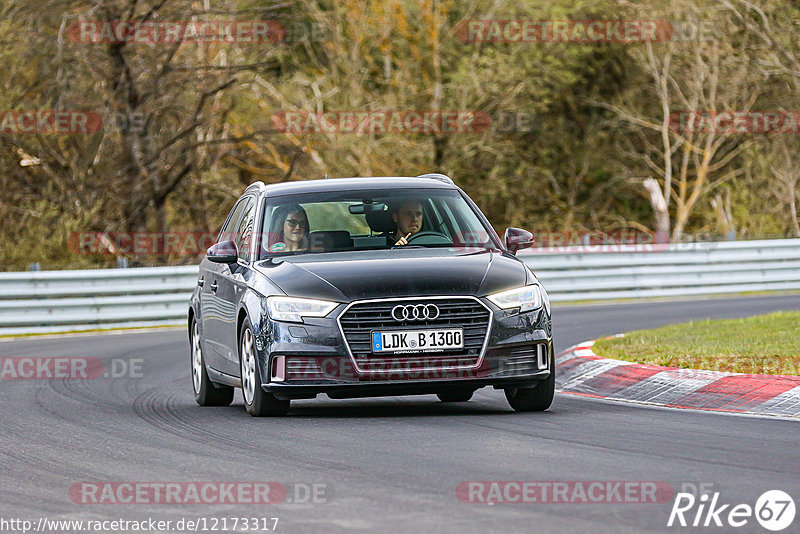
x: 294, y: 223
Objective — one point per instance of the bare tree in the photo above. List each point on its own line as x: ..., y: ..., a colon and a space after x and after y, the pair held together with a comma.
x: 779, y: 58
x: 166, y: 106
x: 783, y: 164
x: 694, y: 80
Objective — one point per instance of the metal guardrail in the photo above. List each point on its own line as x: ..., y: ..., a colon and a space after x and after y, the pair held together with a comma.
x: 57, y: 301
x: 676, y: 270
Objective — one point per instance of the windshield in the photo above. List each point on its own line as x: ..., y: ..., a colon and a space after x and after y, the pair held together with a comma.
x: 373, y: 220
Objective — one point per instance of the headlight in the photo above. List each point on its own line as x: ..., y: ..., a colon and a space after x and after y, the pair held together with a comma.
x: 293, y: 309
x: 526, y: 298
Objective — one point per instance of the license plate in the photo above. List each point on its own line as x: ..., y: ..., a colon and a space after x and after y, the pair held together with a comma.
x: 418, y: 340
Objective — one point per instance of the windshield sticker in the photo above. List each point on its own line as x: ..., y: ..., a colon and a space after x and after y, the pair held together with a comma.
x: 277, y: 247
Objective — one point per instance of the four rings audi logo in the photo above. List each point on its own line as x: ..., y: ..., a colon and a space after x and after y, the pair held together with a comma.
x: 415, y: 312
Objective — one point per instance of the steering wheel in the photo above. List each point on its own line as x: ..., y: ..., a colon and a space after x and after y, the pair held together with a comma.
x: 429, y: 238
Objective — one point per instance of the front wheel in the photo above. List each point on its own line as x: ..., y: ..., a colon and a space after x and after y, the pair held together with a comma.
x: 206, y: 393
x: 536, y: 399
x: 257, y: 402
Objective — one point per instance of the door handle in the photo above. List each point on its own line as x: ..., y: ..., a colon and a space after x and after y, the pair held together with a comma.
x: 201, y: 281
x: 214, y: 286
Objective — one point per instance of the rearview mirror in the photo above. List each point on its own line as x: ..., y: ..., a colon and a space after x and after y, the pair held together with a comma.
x: 223, y: 252
x: 360, y: 209
x: 517, y: 238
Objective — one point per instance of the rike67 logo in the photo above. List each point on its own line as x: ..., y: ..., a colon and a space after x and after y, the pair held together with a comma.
x: 774, y: 510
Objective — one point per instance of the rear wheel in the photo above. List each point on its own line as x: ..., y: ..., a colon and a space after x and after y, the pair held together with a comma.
x: 536, y: 399
x: 206, y: 393
x: 257, y: 402
x: 455, y: 396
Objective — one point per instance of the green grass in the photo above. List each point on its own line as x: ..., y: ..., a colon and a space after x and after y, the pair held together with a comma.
x: 764, y: 344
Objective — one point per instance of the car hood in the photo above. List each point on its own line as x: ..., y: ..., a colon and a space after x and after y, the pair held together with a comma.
x: 344, y: 277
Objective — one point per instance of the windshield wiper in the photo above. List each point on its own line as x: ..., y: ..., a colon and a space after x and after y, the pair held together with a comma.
x: 481, y: 251
x: 285, y: 254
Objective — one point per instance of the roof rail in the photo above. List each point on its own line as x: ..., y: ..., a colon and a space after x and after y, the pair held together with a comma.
x: 438, y: 176
x: 255, y: 185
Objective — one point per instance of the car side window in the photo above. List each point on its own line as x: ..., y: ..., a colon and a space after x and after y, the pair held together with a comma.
x: 226, y: 234
x: 244, y: 230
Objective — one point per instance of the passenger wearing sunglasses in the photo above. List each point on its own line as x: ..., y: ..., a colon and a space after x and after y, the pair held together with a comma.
x: 290, y: 224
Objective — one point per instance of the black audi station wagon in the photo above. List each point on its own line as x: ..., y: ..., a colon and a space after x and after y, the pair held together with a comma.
x: 360, y: 287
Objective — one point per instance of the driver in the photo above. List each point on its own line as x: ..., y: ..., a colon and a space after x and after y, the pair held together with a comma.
x: 408, y: 216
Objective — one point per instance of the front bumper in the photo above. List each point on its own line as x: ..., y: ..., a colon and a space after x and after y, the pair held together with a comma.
x: 285, y: 391
x: 303, y: 360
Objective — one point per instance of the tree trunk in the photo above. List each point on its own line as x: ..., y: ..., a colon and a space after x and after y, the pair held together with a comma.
x: 659, y: 205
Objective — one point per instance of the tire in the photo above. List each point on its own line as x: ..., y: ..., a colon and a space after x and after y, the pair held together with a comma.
x: 257, y: 402
x: 455, y: 396
x: 537, y: 399
x: 206, y: 392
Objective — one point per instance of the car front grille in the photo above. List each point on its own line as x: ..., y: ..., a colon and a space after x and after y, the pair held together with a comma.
x: 361, y: 318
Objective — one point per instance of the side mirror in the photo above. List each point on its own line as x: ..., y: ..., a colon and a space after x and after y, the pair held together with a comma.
x: 517, y: 238
x: 223, y: 252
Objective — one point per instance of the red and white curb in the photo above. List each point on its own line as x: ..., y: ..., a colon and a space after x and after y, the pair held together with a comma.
x: 582, y: 372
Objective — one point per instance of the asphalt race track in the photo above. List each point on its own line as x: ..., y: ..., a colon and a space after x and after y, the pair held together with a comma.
x: 387, y: 465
